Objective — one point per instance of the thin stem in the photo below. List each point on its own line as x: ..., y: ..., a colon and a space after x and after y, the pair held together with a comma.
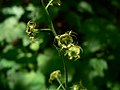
x: 60, y: 83
x: 66, y: 74
x: 44, y: 29
x: 49, y: 4
x: 55, y: 34
x: 58, y: 87
x: 49, y: 19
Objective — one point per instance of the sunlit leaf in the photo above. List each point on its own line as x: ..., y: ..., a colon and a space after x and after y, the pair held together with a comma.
x: 11, y: 29
x: 18, y: 11
x: 34, y: 80
x: 7, y: 64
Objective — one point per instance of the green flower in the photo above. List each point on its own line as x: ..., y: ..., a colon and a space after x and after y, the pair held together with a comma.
x: 73, y: 52
x: 54, y: 75
x: 65, y: 40
x: 67, y: 45
x: 30, y: 29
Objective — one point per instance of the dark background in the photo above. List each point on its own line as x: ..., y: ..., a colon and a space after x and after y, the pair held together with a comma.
x: 27, y: 66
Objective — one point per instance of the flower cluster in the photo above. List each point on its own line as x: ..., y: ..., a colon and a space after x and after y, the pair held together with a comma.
x: 67, y: 45
x: 30, y: 29
x: 54, y: 75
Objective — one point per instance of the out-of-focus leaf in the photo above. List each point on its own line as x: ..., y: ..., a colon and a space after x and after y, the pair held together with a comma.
x: 113, y: 86
x: 83, y: 6
x: 29, y: 80
x: 98, y: 66
x: 102, y: 30
x: 36, y: 45
x: 37, y: 13
x: 11, y: 29
x: 115, y: 3
x: 34, y: 80
x: 7, y: 48
x: 92, y: 45
x: 45, y: 58
x: 7, y: 64
x: 30, y: 7
x: 18, y: 11
x: 10, y: 52
x: 25, y: 40
x: 32, y: 10
x: 42, y: 60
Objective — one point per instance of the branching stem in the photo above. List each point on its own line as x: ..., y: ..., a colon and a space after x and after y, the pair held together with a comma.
x: 60, y: 84
x: 49, y: 4
x: 55, y: 34
x: 49, y: 19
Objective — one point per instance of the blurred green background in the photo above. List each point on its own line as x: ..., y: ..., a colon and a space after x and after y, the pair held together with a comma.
x: 27, y: 66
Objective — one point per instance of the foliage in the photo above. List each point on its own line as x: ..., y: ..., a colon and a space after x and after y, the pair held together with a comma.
x: 27, y: 66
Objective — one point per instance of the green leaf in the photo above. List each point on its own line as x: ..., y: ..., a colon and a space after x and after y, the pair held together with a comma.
x: 92, y: 45
x: 98, y: 66
x: 11, y: 29
x: 26, y: 80
x: 34, y: 80
x: 83, y: 6
x: 18, y: 11
x: 7, y: 64
x: 36, y: 45
x: 113, y: 86
x: 42, y: 60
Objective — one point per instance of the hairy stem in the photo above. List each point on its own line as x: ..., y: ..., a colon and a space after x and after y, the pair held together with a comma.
x: 49, y: 19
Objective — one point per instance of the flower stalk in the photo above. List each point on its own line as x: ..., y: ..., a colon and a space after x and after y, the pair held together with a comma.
x: 65, y: 73
x: 55, y: 34
x: 49, y: 4
x: 49, y: 19
x: 60, y: 84
x: 65, y: 43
